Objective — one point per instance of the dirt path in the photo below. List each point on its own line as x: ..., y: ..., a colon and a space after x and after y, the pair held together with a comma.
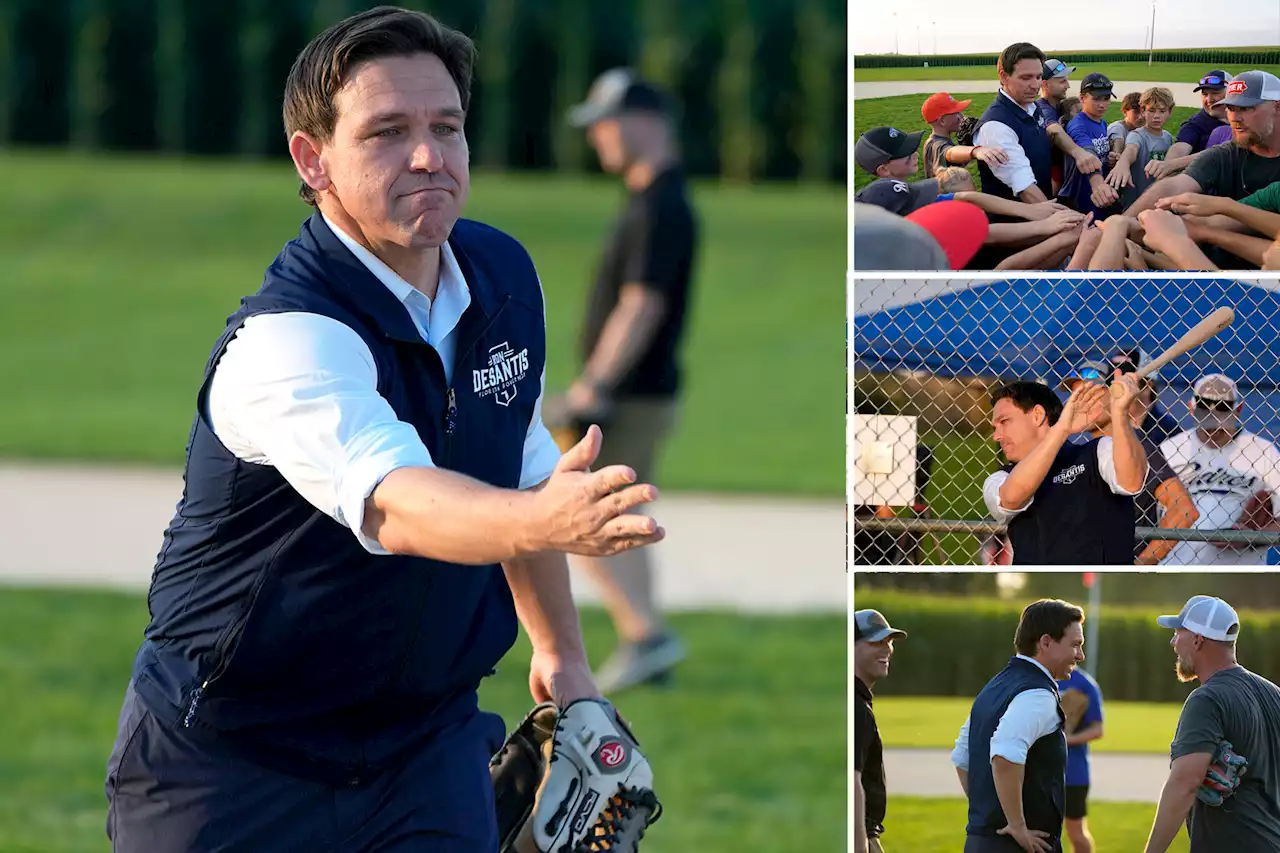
x: 1114, y: 777
x: 103, y: 527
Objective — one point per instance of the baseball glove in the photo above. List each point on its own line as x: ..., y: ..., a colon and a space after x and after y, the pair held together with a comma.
x: 1256, y: 514
x: 1074, y: 704
x: 1223, y: 776
x: 572, y: 780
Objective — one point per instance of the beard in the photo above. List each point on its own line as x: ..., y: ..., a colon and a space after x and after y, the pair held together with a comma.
x: 1185, y: 670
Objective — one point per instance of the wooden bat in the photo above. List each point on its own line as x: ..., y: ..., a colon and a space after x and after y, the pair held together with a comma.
x: 1194, y: 337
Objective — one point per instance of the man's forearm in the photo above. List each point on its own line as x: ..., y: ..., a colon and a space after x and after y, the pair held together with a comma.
x: 627, y: 332
x: 1063, y: 140
x: 544, y: 603
x: 994, y: 204
x: 1003, y: 233
x: 1008, y: 778
x: 444, y: 515
x: 1028, y: 474
x: 964, y: 780
x: 1032, y: 195
x: 1176, y: 799
x: 1160, y: 189
x: 1264, y: 222
x: 1043, y: 254
x: 1127, y: 454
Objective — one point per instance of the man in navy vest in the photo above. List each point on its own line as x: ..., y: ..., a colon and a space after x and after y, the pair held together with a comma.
x: 1064, y: 502
x: 371, y: 499
x: 1014, y: 123
x: 1011, y: 754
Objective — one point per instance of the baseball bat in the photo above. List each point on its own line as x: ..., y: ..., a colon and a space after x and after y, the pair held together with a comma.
x: 1192, y: 338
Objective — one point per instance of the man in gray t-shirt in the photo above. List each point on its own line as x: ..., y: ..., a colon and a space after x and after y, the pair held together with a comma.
x: 1232, y: 709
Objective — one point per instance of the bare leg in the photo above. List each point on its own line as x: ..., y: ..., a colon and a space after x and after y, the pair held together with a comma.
x: 1078, y: 832
x: 625, y: 583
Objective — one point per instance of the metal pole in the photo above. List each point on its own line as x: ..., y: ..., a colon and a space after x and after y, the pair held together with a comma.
x: 1094, y: 621
x: 935, y: 38
x: 895, y: 33
x: 1152, y: 51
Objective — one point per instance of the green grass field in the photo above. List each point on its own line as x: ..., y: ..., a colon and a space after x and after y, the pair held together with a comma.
x: 118, y: 273
x: 921, y: 722
x: 1159, y: 72
x: 936, y: 825
x: 749, y: 744
x: 903, y: 112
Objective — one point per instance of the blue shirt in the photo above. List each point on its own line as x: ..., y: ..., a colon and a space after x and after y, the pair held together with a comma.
x: 1091, y: 136
x: 1078, y: 755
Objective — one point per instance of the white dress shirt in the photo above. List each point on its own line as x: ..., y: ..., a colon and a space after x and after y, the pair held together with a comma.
x: 1030, y: 716
x: 299, y: 392
x: 1106, y: 467
x: 1016, y: 172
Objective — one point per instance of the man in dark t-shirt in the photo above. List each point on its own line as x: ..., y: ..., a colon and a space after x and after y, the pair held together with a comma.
x: 1063, y: 502
x: 632, y: 337
x: 872, y: 650
x: 1234, y: 712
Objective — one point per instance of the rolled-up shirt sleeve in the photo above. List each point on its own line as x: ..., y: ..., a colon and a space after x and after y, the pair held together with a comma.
x: 1107, y: 467
x: 541, y: 453
x: 1016, y: 172
x: 1030, y: 716
x: 960, y: 754
x: 991, y: 497
x: 299, y: 392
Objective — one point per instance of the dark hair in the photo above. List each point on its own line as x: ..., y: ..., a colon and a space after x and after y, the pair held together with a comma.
x: 1049, y: 616
x: 1015, y: 53
x: 324, y: 65
x: 1132, y: 101
x: 1027, y: 395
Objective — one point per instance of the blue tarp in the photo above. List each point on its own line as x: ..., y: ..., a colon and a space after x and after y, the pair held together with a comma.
x: 1041, y: 328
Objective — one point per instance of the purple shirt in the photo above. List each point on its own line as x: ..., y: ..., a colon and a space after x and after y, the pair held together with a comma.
x: 1219, y: 136
x: 1195, y: 130
x: 1091, y: 136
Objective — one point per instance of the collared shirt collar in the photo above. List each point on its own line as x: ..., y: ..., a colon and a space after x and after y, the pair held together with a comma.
x: 1037, y: 663
x: 1030, y: 109
x: 861, y: 689
x: 452, y: 290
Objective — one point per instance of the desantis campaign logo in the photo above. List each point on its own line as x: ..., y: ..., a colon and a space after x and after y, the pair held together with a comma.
x: 506, y: 368
x: 1236, y: 87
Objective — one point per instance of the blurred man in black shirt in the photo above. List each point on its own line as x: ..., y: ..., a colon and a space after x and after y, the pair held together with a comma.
x: 635, y: 322
x: 872, y: 650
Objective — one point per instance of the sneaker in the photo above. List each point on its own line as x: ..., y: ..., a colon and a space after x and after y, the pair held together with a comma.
x: 648, y: 661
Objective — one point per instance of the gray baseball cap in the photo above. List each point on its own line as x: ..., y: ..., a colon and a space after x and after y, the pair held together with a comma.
x: 871, y: 626
x: 885, y: 241
x: 899, y: 197
x: 614, y: 92
x: 1207, y: 616
x: 1251, y: 89
x: 1057, y: 68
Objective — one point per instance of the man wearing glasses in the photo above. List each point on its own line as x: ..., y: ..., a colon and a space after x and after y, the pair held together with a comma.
x: 1193, y: 134
x: 1228, y: 471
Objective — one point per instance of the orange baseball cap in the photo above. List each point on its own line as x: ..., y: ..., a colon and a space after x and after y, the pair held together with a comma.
x: 941, y: 104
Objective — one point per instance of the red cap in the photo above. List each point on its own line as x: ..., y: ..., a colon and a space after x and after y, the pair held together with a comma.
x: 941, y: 104
x: 959, y: 227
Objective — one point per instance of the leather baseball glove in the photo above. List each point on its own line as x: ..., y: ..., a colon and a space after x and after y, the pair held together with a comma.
x: 1074, y: 704
x: 1223, y: 776
x: 572, y: 780
x: 1256, y: 514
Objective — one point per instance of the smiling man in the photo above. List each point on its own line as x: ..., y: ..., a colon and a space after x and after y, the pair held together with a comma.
x: 1224, y: 776
x: 1011, y: 753
x: 371, y: 499
x: 872, y: 650
x: 1064, y: 502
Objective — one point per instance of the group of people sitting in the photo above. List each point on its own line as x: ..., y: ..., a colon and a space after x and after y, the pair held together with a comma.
x: 1060, y: 188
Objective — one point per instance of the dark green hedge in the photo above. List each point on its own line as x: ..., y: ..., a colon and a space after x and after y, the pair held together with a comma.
x: 957, y: 644
x: 1202, y: 56
x: 762, y: 82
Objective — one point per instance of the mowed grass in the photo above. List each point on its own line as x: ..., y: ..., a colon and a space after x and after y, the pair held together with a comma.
x: 1159, y: 72
x: 117, y: 274
x: 932, y: 722
x: 936, y: 825
x: 749, y: 744
x: 903, y: 112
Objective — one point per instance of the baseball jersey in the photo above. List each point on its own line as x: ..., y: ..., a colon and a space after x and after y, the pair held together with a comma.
x: 1221, y: 480
x: 1079, y: 689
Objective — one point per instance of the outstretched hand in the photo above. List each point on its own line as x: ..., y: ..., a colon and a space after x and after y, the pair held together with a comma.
x: 1083, y: 408
x: 580, y: 511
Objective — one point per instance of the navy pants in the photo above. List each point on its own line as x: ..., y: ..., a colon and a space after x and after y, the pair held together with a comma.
x: 170, y: 790
x: 1001, y: 844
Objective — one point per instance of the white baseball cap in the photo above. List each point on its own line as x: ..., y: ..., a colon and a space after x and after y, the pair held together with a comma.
x: 1216, y: 386
x: 1207, y: 616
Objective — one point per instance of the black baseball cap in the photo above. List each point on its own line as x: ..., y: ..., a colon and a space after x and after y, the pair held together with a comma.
x: 871, y: 626
x: 617, y: 91
x: 1217, y: 79
x: 1096, y: 84
x: 879, y: 145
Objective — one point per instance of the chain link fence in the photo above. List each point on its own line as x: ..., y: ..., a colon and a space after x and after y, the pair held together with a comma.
x: 928, y: 353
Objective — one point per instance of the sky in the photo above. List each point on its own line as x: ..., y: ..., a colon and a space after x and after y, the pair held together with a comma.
x: 1078, y: 25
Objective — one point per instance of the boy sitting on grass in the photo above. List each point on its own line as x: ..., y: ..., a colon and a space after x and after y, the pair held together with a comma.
x: 1144, y: 147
